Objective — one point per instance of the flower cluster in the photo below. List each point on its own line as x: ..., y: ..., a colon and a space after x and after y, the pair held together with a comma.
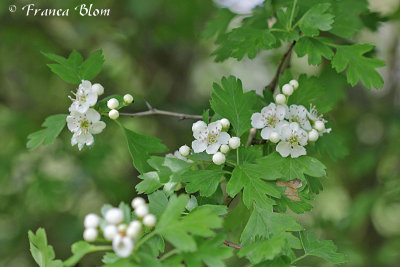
x: 239, y: 6
x: 84, y: 121
x: 292, y: 126
x: 115, y: 228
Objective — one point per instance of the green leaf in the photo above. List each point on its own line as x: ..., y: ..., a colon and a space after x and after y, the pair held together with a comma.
x: 325, y: 249
x: 316, y: 19
x: 230, y: 102
x: 80, y: 249
x: 101, y: 106
x: 42, y: 253
x: 54, y: 125
x: 180, y: 230
x: 315, y: 48
x: 150, y: 183
x: 158, y: 202
x: 140, y: 146
x: 218, y: 25
x: 206, y: 181
x: 248, y: 177
x: 92, y: 66
x: 66, y: 69
x: 358, y: 66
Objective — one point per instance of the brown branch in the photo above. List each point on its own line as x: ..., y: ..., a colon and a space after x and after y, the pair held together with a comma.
x: 271, y: 86
x: 252, y: 135
x: 232, y: 245
x: 258, y: 142
x: 154, y: 111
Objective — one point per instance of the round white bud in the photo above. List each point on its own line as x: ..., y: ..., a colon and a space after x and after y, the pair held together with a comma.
x: 224, y: 149
x: 274, y: 137
x: 91, y: 221
x: 184, y: 150
x: 136, y: 225
x: 90, y: 234
x: 114, y: 216
x: 280, y: 99
x: 149, y: 220
x: 287, y: 89
x: 313, y: 135
x: 218, y: 158
x: 294, y: 83
x: 112, y: 103
x: 137, y: 201
x: 128, y: 98
x: 141, y: 211
x: 113, y: 114
x: 225, y: 123
x: 133, y: 232
x: 234, y: 142
x: 98, y: 88
x: 319, y: 125
x: 110, y: 231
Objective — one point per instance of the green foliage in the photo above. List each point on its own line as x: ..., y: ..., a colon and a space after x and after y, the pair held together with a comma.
x: 321, y: 248
x: 315, y: 19
x: 101, y: 106
x: 42, y: 253
x: 358, y: 66
x: 73, y: 69
x: 54, y: 125
x: 206, y: 181
x: 229, y: 101
x: 218, y: 25
x: 315, y: 48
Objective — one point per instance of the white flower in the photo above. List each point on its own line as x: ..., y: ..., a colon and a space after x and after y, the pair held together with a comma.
x: 90, y: 234
x: 91, y: 221
x: 269, y: 120
x: 218, y: 158
x: 234, y: 142
x: 293, y: 138
x: 274, y: 137
x: 85, y: 97
x: 114, y: 216
x: 299, y: 114
x: 149, y: 220
x: 208, y: 138
x: 98, y: 88
x: 84, y: 126
x: 313, y: 114
x: 123, y: 246
x: 239, y: 6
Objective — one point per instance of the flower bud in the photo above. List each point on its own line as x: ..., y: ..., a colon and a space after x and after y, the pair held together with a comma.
x: 91, y: 221
x: 128, y: 99
x: 149, y: 220
x: 137, y: 201
x: 280, y: 99
x: 98, y: 88
x: 319, y: 126
x: 219, y: 158
x: 114, y: 216
x: 110, y: 231
x: 274, y: 137
x: 90, y: 234
x: 287, y: 89
x: 313, y: 135
x: 224, y: 149
x: 112, y: 103
x: 294, y: 83
x: 184, y: 150
x: 113, y: 114
x: 141, y: 211
x: 225, y: 123
x: 234, y: 142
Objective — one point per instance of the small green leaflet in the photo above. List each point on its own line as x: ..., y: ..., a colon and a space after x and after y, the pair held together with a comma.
x: 218, y: 25
x: 315, y: 48
x: 42, y: 253
x: 140, y: 146
x: 205, y: 181
x: 358, y: 66
x: 248, y: 177
x: 54, y: 125
x: 179, y: 230
x: 158, y: 202
x: 316, y: 19
x: 321, y: 248
x: 230, y: 102
x: 73, y: 69
x: 80, y: 249
x: 210, y: 251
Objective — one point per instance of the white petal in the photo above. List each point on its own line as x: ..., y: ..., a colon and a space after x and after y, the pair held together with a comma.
x: 294, y: 126
x: 298, y: 151
x: 305, y: 124
x: 302, y: 111
x: 91, y: 98
x: 223, y: 138
x: 284, y: 149
x: 82, y: 107
x: 73, y: 124
x: 266, y: 132
x: 214, y: 127
x: 280, y: 112
x: 92, y: 115
x: 213, y: 148
x: 123, y: 246
x: 199, y: 146
x: 257, y: 120
x: 285, y: 132
x: 97, y: 127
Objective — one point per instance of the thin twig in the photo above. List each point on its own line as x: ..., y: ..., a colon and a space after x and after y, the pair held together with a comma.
x: 271, y: 86
x: 252, y: 135
x: 258, y: 142
x: 232, y: 245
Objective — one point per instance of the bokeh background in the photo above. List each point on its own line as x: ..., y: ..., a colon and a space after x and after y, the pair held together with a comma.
x: 154, y: 50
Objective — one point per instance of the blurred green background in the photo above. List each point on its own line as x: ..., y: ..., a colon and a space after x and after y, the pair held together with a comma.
x: 154, y: 50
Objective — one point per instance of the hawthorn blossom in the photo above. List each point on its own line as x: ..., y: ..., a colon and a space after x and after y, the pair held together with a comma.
x: 85, y: 97
x: 178, y: 155
x: 293, y: 140
x: 315, y: 117
x: 208, y: 137
x: 123, y: 246
x: 241, y: 7
x: 299, y: 114
x: 83, y: 126
x: 269, y: 120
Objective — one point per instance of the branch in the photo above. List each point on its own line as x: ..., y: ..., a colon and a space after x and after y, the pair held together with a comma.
x: 258, y: 142
x: 154, y: 111
x: 232, y: 245
x: 271, y: 86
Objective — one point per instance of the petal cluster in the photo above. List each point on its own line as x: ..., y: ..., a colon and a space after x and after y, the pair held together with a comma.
x: 242, y: 7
